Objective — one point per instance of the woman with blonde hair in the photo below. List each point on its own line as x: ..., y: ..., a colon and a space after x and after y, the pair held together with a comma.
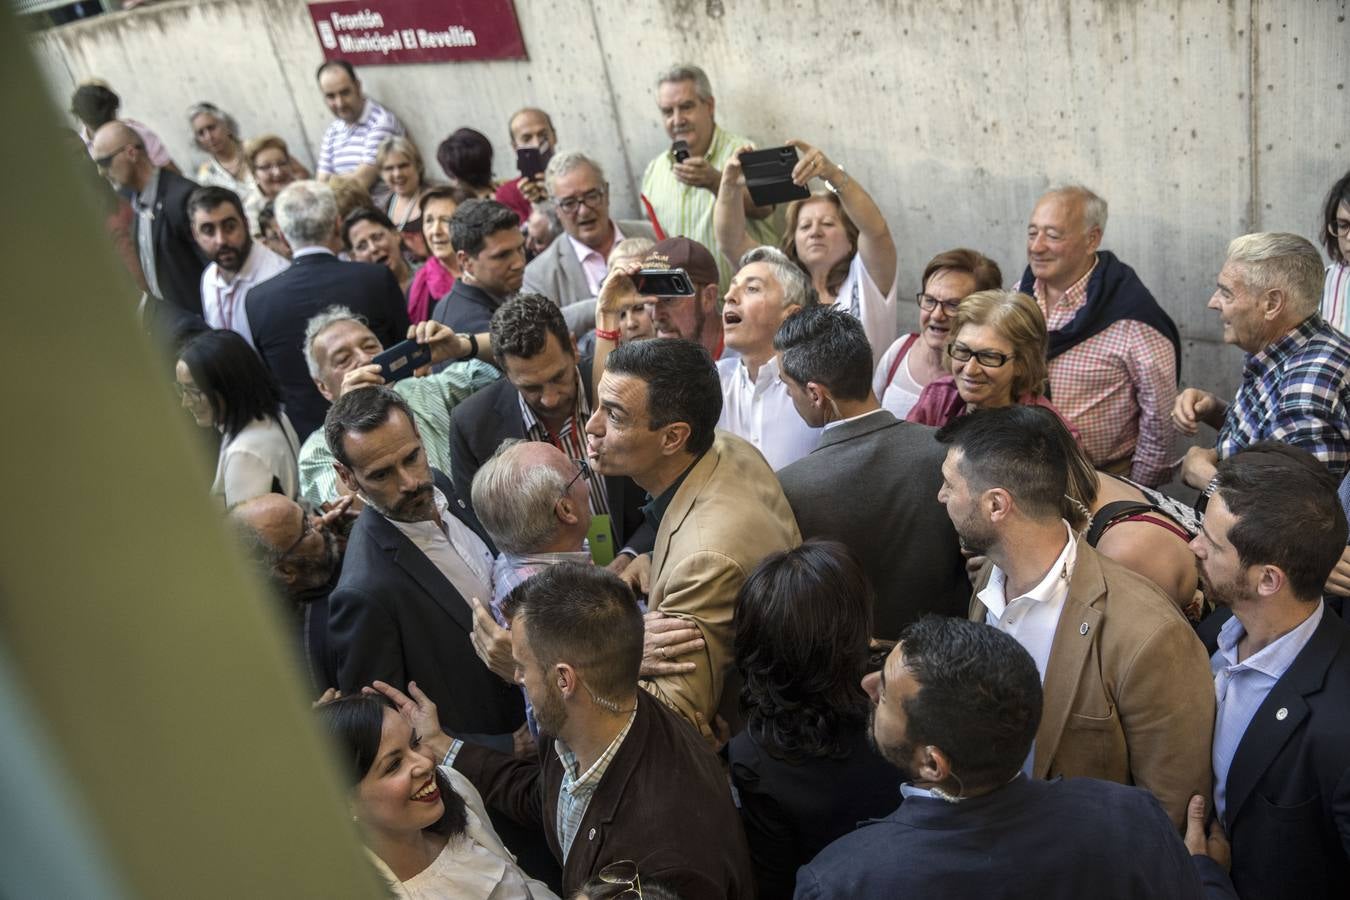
x: 273, y: 167
x: 404, y: 173
x: 996, y: 355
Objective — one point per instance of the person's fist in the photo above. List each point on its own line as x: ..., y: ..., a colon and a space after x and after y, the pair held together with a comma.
x: 1192, y: 407
x: 1206, y: 841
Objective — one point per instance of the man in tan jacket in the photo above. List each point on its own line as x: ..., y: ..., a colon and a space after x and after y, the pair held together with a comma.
x: 1128, y: 692
x: 717, y: 507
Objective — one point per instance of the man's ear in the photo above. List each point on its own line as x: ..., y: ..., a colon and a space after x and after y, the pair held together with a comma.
x: 1094, y: 238
x: 708, y: 297
x: 1271, y: 581
x: 1274, y: 302
x: 324, y: 391
x: 674, y: 438
x: 464, y: 260
x: 286, y: 573
x: 567, y: 680
x: 346, y: 476
x: 932, y: 764
x: 818, y: 394
x: 998, y: 502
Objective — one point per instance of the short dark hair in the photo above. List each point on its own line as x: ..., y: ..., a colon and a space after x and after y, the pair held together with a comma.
x: 1014, y: 448
x: 587, y: 617
x: 521, y: 326
x: 208, y: 197
x: 981, y: 268
x: 475, y: 219
x: 466, y: 156
x: 445, y: 192
x: 1339, y: 193
x: 803, y: 621
x: 355, y: 724
x: 979, y: 698
x: 95, y: 105
x: 364, y: 214
x: 1288, y: 513
x: 335, y: 64
x: 826, y: 345
x: 682, y: 385
x: 267, y: 216
x: 360, y: 412
x: 232, y: 376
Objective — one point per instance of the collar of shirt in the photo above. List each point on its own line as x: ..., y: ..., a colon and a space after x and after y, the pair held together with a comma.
x: 655, y: 509
x: 870, y: 412
x: 1074, y: 296
x: 364, y: 119
x: 145, y: 200
x: 311, y: 251
x: 908, y: 790
x: 581, y: 411
x: 768, y: 374
x: 465, y: 544
x: 1273, y: 355
x: 1053, y: 586
x: 592, y: 263
x: 1275, y: 658
x: 585, y: 783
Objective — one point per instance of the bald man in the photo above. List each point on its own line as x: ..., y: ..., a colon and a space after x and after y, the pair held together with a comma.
x: 170, y: 258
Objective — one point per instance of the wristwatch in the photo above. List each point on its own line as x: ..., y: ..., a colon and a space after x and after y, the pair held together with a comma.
x: 840, y: 187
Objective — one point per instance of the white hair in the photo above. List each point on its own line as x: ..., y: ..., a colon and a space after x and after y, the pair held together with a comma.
x: 1094, y: 207
x: 515, y: 500
x: 1273, y: 260
x: 688, y: 72
x: 306, y: 213
x: 796, y: 284
x: 317, y: 325
x: 563, y: 163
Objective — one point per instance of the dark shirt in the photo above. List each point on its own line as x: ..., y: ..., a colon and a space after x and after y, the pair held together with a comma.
x: 655, y: 509
x: 467, y: 309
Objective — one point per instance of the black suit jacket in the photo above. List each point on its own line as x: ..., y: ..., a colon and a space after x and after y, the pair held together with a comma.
x: 280, y: 307
x: 480, y: 424
x: 178, y: 260
x: 872, y: 485
x: 1288, y: 794
x: 467, y: 309
x: 395, y: 617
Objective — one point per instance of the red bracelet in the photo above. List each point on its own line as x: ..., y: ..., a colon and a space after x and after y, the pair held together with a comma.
x: 603, y: 335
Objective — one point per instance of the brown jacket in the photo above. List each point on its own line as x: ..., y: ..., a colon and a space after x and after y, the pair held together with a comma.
x: 664, y: 802
x: 1129, y: 696
x: 726, y: 517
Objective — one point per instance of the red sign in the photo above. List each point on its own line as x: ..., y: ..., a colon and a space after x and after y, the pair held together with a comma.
x: 383, y: 32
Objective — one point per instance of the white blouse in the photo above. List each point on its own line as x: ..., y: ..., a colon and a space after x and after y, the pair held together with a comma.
x: 860, y: 296
x: 264, y: 450
x: 898, y: 394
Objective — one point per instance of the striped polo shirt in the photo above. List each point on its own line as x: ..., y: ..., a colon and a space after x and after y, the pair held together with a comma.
x: 348, y: 145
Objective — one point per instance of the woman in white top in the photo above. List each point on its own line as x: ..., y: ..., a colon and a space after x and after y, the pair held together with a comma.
x: 914, y: 360
x: 1336, y: 239
x: 838, y: 237
x: 405, y: 174
x: 424, y: 825
x: 216, y: 133
x: 225, y: 386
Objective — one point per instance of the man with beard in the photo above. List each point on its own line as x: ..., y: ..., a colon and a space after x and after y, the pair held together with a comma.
x: 1281, y: 660
x: 300, y: 554
x: 955, y: 709
x: 221, y: 230
x: 1128, y: 694
x: 402, y: 610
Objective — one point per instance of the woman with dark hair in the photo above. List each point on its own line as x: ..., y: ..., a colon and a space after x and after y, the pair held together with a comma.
x: 223, y: 383
x: 437, y: 275
x: 802, y: 766
x: 1336, y: 239
x: 466, y: 159
x: 424, y: 825
x: 95, y: 105
x: 371, y: 237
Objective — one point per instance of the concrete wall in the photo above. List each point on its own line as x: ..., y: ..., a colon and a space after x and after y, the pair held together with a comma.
x: 1198, y: 120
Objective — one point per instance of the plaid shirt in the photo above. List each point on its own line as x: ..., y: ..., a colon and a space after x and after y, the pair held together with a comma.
x: 577, y: 788
x: 1296, y: 390
x: 1117, y: 387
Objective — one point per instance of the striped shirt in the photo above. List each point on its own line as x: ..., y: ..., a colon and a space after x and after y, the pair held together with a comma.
x: 571, y: 440
x: 349, y: 145
x: 1336, y: 297
x: 431, y: 400
x: 687, y: 211
x: 1297, y: 390
x: 574, y: 795
x: 1241, y: 687
x: 1118, y: 387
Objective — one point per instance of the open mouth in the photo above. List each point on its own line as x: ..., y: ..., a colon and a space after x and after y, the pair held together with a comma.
x: 382, y: 259
x: 427, y: 792
x: 731, y: 317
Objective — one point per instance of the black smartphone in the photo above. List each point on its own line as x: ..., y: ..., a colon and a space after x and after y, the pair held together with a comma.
x: 680, y: 149
x: 530, y: 162
x: 664, y: 283
x: 400, y: 360
x: 768, y: 175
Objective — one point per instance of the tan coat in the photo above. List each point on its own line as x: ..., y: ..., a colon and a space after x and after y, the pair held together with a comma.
x: 725, y: 518
x: 1129, y: 696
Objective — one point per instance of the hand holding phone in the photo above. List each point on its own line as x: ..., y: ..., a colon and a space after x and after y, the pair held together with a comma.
x: 768, y: 176
x: 402, y: 360
x: 663, y: 283
x: 680, y: 150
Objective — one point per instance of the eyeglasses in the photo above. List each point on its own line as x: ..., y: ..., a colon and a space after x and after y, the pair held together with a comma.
x: 273, y: 167
x: 1339, y: 227
x: 188, y: 390
x: 104, y: 162
x: 582, y: 469
x: 306, y: 529
x: 591, y: 198
x: 928, y: 303
x: 990, y: 359
x: 624, y: 872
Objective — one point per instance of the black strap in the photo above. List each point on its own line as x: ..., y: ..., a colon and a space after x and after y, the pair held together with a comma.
x: 1113, y: 512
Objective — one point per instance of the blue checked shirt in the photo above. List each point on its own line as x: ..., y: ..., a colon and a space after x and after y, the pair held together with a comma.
x: 1297, y: 391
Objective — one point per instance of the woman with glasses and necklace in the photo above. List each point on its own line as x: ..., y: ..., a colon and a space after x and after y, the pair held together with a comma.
x: 915, y: 360
x: 996, y: 355
x: 1336, y: 240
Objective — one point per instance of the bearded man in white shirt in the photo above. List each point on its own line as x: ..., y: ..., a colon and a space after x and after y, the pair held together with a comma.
x: 221, y: 230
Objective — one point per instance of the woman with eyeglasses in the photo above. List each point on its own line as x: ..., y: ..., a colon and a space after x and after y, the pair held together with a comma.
x: 996, y: 356
x: 1336, y: 239
x: 404, y: 173
x: 424, y: 825
x: 371, y: 237
x: 216, y: 133
x: 223, y: 383
x: 915, y: 360
x: 273, y: 167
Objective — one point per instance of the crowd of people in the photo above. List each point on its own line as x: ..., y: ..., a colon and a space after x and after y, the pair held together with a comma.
x: 735, y: 591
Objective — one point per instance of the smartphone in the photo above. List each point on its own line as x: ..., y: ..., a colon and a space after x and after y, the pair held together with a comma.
x: 664, y: 283
x: 530, y: 161
x: 681, y: 150
x: 400, y: 360
x: 768, y: 175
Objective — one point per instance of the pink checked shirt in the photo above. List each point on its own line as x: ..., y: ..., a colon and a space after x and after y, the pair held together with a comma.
x: 1118, y: 387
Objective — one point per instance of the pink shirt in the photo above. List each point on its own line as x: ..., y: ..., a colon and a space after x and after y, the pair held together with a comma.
x: 509, y: 195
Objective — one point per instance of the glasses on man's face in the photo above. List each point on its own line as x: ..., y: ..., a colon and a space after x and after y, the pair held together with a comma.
x: 928, y: 303
x: 103, y: 162
x: 591, y: 198
x: 990, y: 359
x: 190, y: 391
x: 306, y: 529
x: 582, y: 469
x: 1339, y: 227
x: 623, y: 872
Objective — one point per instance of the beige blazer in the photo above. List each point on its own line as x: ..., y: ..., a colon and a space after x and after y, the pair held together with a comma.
x: 1128, y: 692
x: 725, y: 518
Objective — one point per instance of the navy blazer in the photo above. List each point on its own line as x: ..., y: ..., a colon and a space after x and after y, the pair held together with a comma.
x: 280, y: 307
x: 395, y: 617
x: 1039, y: 840
x: 1288, y: 792
x: 179, y: 262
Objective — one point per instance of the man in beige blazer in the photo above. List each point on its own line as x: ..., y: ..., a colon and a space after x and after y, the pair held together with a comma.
x: 1128, y: 692
x: 717, y: 507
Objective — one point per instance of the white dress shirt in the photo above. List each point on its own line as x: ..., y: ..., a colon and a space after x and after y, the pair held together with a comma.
x: 455, y: 550
x: 223, y: 294
x: 762, y: 412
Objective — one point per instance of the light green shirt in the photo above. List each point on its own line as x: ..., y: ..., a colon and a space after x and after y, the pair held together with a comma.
x: 431, y: 399
x: 686, y: 211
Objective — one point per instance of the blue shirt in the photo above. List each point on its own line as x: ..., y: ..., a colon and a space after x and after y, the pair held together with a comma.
x: 1241, y: 688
